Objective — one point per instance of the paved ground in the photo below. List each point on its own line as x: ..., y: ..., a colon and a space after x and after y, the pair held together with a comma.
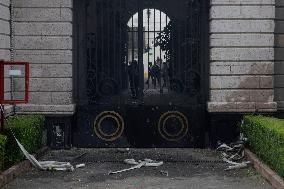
x: 187, y: 169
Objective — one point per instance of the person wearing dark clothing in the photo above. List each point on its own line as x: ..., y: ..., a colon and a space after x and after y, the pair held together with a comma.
x: 133, y: 74
x: 156, y: 74
x: 165, y: 73
x: 170, y: 74
x: 149, y: 73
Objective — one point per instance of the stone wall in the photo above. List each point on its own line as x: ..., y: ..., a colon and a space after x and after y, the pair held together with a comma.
x: 5, y: 29
x: 242, y: 56
x: 279, y: 54
x: 5, y: 45
x: 43, y: 36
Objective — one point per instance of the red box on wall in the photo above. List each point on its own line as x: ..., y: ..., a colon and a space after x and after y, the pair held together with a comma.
x: 11, y: 74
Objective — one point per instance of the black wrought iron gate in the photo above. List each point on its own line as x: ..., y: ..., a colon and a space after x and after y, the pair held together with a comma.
x: 141, y: 74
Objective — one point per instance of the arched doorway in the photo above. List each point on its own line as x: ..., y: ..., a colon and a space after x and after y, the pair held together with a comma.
x: 156, y: 57
x: 141, y: 73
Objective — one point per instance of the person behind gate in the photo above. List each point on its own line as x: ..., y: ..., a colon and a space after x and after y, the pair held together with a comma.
x: 133, y: 74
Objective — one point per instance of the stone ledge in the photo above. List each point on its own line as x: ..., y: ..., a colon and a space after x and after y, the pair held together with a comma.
x: 275, y: 180
x: 240, y: 107
x: 241, y: 2
x: 45, y: 109
x: 242, y: 95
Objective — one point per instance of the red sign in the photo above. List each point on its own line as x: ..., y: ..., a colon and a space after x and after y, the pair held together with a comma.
x: 13, y: 73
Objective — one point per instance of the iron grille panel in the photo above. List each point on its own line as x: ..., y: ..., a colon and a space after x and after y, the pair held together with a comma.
x: 119, y: 49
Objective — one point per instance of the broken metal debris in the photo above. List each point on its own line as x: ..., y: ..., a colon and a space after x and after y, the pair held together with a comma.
x: 234, y: 153
x: 45, y: 165
x: 235, y: 165
x: 148, y: 162
x: 138, y: 165
x: 41, y: 165
x: 165, y: 173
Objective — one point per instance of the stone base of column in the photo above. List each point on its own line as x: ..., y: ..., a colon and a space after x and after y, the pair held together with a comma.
x: 45, y: 109
x: 242, y: 107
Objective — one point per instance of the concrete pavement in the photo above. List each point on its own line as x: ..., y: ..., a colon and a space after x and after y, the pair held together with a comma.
x: 187, y: 168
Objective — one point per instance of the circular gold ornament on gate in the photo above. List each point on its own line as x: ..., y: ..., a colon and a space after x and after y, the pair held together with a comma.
x: 182, y: 120
x: 118, y: 120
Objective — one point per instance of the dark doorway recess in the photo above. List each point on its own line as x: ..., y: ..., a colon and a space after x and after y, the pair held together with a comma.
x: 141, y: 73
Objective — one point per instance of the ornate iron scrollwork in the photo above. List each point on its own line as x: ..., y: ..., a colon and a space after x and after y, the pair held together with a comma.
x: 107, y: 87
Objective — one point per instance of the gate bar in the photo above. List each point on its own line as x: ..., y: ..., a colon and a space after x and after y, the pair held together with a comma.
x: 154, y: 36
x: 140, y: 48
x: 132, y: 38
x: 161, y: 60
x: 148, y: 47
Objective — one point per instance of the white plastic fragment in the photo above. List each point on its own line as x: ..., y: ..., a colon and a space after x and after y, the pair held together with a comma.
x: 238, y: 166
x: 224, y: 147
x: 148, y: 162
x: 138, y: 164
x: 131, y: 162
x: 80, y: 165
x: 131, y: 168
x: 123, y: 149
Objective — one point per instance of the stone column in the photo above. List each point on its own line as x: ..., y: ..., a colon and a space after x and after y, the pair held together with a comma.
x: 242, y: 56
x: 43, y: 36
x: 5, y: 45
x: 279, y: 54
x: 4, y: 29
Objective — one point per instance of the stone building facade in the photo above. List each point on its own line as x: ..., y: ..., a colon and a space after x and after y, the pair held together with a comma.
x: 279, y: 57
x: 242, y: 56
x: 246, y: 63
x: 5, y: 40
